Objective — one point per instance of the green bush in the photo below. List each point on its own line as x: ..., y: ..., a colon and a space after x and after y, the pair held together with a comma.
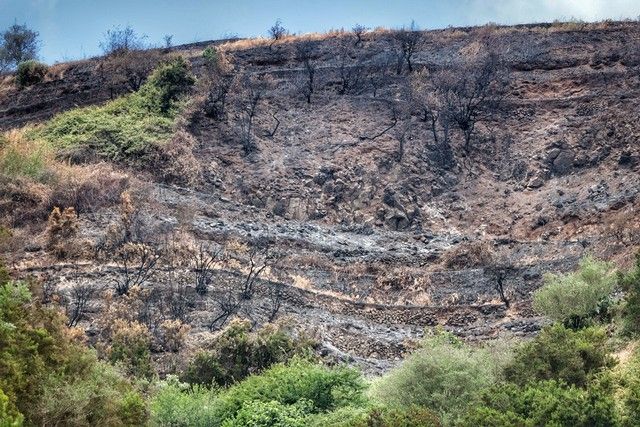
x: 124, y: 129
x: 211, y: 56
x: 238, y: 352
x: 629, y: 391
x: 547, y: 403
x: 179, y: 405
x: 270, y: 414
x: 8, y: 417
x: 379, y: 416
x: 630, y: 283
x: 31, y: 72
x: 578, y: 297
x: 130, y: 348
x: 205, y: 370
x: 444, y: 376
x: 50, y: 379
x: 166, y: 84
x: 558, y: 353
x: 299, y: 383
x: 89, y: 393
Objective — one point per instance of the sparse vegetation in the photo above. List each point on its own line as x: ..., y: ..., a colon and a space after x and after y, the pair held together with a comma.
x: 118, y: 40
x: 408, y: 42
x: 191, y: 290
x: 277, y: 31
x: 445, y: 375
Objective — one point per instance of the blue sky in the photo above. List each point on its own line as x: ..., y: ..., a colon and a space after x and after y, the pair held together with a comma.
x: 72, y: 29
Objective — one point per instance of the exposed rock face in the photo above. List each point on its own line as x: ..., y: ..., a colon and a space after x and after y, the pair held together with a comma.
x: 375, y: 247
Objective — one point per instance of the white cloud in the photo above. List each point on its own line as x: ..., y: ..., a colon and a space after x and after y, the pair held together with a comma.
x: 518, y: 11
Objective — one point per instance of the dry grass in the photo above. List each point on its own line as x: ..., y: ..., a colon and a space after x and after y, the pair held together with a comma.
x: 468, y: 255
x: 34, y: 181
x: 21, y: 157
x: 243, y: 44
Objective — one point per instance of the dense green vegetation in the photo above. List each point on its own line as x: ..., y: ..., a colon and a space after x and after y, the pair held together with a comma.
x: 47, y: 377
x: 567, y: 375
x: 125, y: 128
x: 576, y: 299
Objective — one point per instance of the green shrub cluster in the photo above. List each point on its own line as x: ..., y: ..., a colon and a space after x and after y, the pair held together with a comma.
x: 124, y: 129
x: 545, y: 403
x: 565, y: 376
x: 630, y: 283
x: 31, y: 72
x: 444, y: 375
x: 238, y: 352
x: 46, y: 378
x: 577, y: 298
x: 283, y: 392
x: 558, y: 353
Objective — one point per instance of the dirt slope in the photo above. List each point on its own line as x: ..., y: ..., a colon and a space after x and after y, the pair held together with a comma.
x: 375, y: 248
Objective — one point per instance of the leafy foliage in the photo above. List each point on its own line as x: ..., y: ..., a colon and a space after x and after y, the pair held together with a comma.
x: 630, y: 283
x: 31, y: 72
x: 444, y: 375
x: 130, y: 347
x: 238, y: 352
x: 48, y: 378
x: 543, y: 404
x: 378, y: 416
x: 18, y: 44
x: 270, y: 414
x: 561, y: 354
x: 126, y: 128
x: 299, y: 387
x: 577, y: 297
x: 628, y: 379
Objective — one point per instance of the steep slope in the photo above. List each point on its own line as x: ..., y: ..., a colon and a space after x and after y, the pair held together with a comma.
x: 373, y: 246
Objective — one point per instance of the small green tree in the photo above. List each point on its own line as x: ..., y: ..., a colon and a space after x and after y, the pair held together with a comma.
x: 18, y: 44
x: 577, y: 298
x: 166, y: 84
x: 239, y: 352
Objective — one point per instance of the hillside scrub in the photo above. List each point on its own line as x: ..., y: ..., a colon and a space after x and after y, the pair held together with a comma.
x: 630, y: 283
x: 31, y: 72
x: 444, y: 375
x: 543, y: 404
x: 46, y: 376
x: 124, y: 129
x: 558, y: 353
x: 33, y: 181
x: 577, y: 298
x: 239, y: 352
x: 294, y: 390
x: 22, y: 157
x: 265, y: 377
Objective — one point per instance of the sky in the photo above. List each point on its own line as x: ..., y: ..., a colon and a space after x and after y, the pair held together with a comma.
x: 73, y: 29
